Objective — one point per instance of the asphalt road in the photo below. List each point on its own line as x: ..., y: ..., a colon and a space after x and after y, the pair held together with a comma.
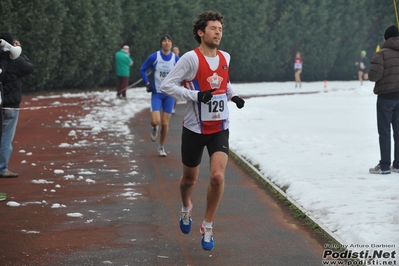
x: 118, y: 202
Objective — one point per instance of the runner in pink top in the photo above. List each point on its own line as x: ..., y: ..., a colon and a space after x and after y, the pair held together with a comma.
x: 298, y: 64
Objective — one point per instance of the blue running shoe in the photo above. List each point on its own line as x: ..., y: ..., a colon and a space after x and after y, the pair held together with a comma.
x: 186, y: 221
x: 207, y: 238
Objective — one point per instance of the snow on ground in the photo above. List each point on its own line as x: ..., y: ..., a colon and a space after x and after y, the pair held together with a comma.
x: 316, y: 147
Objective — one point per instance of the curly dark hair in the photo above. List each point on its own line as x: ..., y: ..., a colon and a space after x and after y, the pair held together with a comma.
x: 202, y: 22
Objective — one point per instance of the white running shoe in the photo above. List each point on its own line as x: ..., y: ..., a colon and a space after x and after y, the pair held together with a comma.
x: 154, y: 133
x: 161, y: 152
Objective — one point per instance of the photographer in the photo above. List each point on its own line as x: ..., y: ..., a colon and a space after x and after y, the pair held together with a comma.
x: 5, y: 59
x: 12, y: 97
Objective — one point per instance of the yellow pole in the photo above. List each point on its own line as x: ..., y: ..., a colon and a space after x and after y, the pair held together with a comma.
x: 377, y: 49
x: 396, y: 12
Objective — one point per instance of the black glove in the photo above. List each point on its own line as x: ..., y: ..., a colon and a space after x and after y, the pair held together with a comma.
x: 148, y: 87
x: 238, y: 101
x: 205, y: 96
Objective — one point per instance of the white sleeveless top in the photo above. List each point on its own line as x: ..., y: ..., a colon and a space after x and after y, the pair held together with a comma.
x: 162, y: 69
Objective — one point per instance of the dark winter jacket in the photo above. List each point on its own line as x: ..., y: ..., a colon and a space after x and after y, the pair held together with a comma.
x: 12, y: 82
x: 4, y: 60
x: 384, y: 68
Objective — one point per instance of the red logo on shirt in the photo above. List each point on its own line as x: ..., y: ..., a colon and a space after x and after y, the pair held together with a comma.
x: 215, y: 81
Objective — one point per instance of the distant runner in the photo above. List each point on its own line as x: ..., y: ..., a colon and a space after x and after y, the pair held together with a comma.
x: 160, y: 63
x: 364, y: 65
x: 298, y: 64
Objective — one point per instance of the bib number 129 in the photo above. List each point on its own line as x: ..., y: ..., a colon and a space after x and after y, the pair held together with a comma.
x: 216, y: 109
x: 215, y: 106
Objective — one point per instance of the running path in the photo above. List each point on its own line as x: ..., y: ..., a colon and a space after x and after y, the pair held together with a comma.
x: 108, y: 199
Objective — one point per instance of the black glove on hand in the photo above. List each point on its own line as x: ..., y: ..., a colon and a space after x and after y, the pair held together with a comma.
x: 205, y: 96
x: 238, y: 101
x: 148, y: 88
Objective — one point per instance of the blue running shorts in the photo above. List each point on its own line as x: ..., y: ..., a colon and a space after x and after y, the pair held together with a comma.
x: 162, y: 102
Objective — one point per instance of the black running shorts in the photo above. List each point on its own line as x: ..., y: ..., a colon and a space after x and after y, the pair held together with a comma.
x: 192, y: 145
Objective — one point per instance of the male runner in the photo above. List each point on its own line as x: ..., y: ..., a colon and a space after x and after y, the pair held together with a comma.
x: 207, y: 89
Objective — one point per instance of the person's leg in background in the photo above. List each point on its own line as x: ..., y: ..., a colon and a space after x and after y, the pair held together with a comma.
x: 10, y: 120
x: 384, y: 117
x: 124, y: 85
x: 118, y: 87
x: 360, y: 76
x: 395, y: 127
